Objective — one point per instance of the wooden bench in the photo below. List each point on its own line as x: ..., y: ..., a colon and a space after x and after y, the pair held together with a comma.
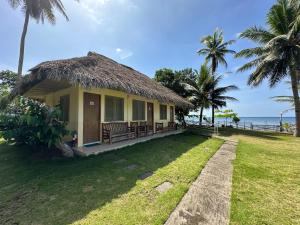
x: 142, y: 129
x: 118, y: 131
x: 172, y: 126
x: 159, y: 127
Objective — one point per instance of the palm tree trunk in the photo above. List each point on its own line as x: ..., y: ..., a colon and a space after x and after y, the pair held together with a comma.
x: 213, y: 70
x: 200, y: 116
x: 295, y: 74
x: 22, y: 44
x: 213, y: 115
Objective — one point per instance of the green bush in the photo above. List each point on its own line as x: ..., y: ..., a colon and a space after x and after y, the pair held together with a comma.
x: 33, y: 123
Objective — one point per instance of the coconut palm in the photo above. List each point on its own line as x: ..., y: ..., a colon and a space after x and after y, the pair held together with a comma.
x: 39, y: 10
x: 277, y: 55
x: 205, y: 91
x: 218, y: 97
x: 285, y: 98
x: 199, y: 90
x: 215, y: 50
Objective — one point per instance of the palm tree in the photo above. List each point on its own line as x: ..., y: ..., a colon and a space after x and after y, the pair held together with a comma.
x: 285, y: 98
x: 40, y: 10
x: 205, y: 91
x: 199, y: 89
x: 277, y: 55
x: 218, y: 98
x: 215, y: 50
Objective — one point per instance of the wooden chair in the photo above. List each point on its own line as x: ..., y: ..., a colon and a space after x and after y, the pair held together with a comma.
x: 119, y: 131
x: 135, y: 124
x: 143, y: 129
x: 159, y: 127
x: 172, y: 126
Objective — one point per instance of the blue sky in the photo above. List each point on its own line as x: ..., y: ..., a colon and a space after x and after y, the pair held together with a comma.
x: 146, y: 35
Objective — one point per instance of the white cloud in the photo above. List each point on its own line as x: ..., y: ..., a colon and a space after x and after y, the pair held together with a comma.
x: 98, y: 11
x: 123, y: 53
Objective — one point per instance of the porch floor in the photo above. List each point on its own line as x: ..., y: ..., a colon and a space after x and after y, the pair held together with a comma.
x: 101, y: 148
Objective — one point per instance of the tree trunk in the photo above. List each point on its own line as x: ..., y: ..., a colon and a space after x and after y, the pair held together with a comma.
x: 22, y: 45
x: 213, y: 116
x: 200, y: 116
x: 295, y: 83
x: 214, y: 68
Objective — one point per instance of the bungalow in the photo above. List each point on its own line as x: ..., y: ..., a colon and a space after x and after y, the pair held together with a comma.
x: 102, y: 100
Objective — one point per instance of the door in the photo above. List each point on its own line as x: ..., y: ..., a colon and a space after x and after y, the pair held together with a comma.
x: 150, y: 114
x: 171, y: 113
x: 91, y: 118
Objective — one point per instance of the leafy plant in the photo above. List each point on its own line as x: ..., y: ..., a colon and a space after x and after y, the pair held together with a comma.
x: 277, y: 53
x: 227, y: 113
x: 33, y: 124
x: 215, y: 50
x: 173, y: 80
x: 236, y: 119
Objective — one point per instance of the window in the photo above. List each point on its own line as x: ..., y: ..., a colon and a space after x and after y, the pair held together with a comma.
x: 171, y: 114
x: 64, y: 103
x: 163, y: 112
x: 138, y: 110
x: 114, y: 109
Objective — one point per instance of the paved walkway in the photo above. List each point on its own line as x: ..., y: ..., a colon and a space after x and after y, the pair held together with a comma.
x: 208, y: 199
x: 97, y: 149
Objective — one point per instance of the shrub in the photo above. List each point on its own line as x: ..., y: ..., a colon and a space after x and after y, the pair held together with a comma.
x: 33, y: 123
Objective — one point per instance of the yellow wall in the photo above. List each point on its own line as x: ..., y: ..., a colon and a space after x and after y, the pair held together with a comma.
x: 76, y: 106
x: 54, y: 98
x: 128, y: 98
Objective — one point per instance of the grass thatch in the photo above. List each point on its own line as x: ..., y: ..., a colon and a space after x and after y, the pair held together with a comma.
x: 98, y: 71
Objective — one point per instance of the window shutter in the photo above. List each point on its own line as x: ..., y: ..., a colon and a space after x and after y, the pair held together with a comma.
x: 64, y: 103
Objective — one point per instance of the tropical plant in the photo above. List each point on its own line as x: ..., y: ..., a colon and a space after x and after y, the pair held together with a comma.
x: 236, y: 119
x: 218, y: 95
x: 277, y: 55
x: 7, y: 82
x: 285, y: 98
x: 205, y: 91
x: 215, y: 49
x: 39, y: 10
x: 173, y: 80
x: 200, y: 88
x: 33, y: 124
x: 227, y: 113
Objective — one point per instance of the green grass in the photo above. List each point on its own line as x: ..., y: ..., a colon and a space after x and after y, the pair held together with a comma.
x: 266, y: 180
x: 98, y: 190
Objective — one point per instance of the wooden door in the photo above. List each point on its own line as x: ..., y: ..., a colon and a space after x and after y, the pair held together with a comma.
x: 171, y: 114
x: 150, y: 114
x: 91, y: 118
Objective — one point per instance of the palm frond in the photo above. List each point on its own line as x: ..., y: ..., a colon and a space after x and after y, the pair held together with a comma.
x: 250, y: 52
x: 257, y: 34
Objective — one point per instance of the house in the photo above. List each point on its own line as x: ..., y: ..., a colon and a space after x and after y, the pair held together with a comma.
x: 101, y: 98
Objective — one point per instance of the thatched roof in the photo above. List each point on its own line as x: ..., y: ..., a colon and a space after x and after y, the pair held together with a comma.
x: 98, y: 71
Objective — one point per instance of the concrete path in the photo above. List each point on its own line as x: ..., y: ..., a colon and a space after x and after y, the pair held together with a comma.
x: 208, y: 199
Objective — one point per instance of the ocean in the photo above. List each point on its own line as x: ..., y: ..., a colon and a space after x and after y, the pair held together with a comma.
x: 256, y: 120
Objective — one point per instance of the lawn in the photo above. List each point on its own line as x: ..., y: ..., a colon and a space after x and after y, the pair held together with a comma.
x: 103, y: 189
x: 266, y: 180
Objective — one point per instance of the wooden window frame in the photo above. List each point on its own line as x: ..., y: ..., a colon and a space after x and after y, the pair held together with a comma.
x: 63, y: 108
x: 163, y: 115
x: 141, y: 112
x: 114, y: 116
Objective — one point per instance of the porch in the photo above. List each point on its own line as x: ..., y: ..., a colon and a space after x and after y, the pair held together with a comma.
x: 101, y: 148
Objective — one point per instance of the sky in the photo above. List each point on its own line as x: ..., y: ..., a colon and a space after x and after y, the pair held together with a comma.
x: 146, y: 35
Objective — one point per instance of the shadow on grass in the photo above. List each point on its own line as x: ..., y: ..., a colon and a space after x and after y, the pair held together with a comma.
x: 62, y: 191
